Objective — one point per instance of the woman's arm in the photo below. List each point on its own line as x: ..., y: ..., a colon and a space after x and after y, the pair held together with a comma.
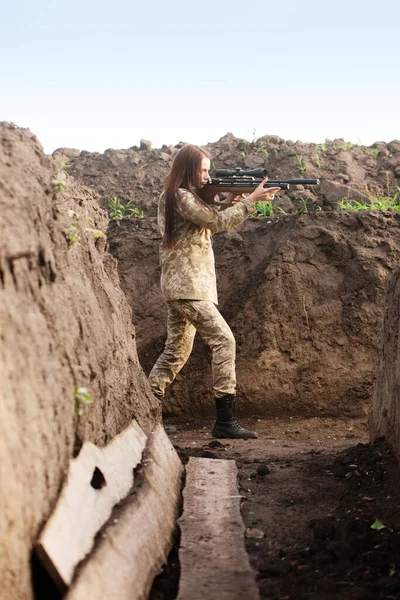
x: 196, y: 212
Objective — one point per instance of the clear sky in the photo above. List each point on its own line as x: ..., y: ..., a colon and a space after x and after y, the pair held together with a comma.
x: 97, y: 75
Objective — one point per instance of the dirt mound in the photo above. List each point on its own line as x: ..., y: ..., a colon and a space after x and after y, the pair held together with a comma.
x: 65, y: 325
x: 304, y: 295
x: 345, y: 170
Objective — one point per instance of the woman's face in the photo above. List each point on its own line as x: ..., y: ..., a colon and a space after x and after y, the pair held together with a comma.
x: 204, y: 173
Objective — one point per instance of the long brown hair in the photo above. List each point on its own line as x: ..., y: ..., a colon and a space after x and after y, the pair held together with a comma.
x: 184, y: 173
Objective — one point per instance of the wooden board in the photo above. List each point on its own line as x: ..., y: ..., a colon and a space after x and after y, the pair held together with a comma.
x: 213, y: 558
x: 97, y: 480
x: 132, y: 549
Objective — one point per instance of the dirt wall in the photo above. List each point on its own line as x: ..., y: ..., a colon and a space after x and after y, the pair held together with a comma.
x: 304, y: 295
x: 64, y: 324
x: 385, y: 412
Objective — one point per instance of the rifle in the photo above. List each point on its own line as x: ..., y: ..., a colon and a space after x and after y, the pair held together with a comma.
x: 242, y: 181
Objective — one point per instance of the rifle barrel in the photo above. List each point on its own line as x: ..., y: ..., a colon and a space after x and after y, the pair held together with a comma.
x: 250, y: 183
x: 296, y: 181
x: 227, y: 184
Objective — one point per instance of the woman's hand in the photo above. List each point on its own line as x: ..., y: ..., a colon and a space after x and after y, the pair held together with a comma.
x: 264, y: 194
x: 233, y: 198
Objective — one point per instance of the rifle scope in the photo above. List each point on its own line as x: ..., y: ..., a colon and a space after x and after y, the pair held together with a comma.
x: 238, y: 172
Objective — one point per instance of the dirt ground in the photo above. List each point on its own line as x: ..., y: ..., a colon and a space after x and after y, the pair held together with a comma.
x: 312, y: 489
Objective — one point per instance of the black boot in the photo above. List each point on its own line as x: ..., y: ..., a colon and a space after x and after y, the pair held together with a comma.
x: 226, y: 426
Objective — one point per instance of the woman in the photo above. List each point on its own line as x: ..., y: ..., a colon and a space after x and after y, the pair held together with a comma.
x: 188, y: 280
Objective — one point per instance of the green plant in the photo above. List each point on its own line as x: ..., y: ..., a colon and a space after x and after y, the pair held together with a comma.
x: 263, y: 151
x: 304, y: 208
x: 264, y: 209
x: 62, y: 163
x: 299, y: 163
x: 245, y: 146
x: 119, y: 211
x: 60, y: 181
x: 321, y: 147
x: 374, y: 153
x: 378, y: 525
x: 79, y: 224
x: 81, y: 399
x: 390, y: 203
x: 267, y: 209
x: 317, y: 159
x: 344, y: 147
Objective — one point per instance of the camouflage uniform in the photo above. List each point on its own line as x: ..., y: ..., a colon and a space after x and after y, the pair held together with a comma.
x: 188, y: 283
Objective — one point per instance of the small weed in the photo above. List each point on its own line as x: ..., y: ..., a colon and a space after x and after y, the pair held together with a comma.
x: 62, y: 163
x: 60, y: 181
x: 390, y: 203
x: 304, y: 208
x: 267, y: 209
x: 263, y: 151
x: 245, y: 150
x: 317, y: 159
x: 339, y: 167
x: 80, y: 223
x: 378, y: 525
x: 320, y: 149
x: 299, y: 163
x: 264, y: 209
x: 343, y: 148
x: 374, y: 153
x: 120, y: 211
x: 81, y: 399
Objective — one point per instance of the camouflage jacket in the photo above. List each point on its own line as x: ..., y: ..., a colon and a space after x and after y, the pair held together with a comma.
x: 188, y: 270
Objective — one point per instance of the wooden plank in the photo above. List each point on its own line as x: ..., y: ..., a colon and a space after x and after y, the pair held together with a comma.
x: 97, y: 480
x: 214, y: 562
x: 134, y: 546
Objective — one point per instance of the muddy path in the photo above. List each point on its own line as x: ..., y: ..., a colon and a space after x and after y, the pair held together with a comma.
x: 312, y: 489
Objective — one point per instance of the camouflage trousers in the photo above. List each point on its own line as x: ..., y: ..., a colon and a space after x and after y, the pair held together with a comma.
x: 185, y: 317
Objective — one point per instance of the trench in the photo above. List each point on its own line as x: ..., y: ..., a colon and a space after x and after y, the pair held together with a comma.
x: 312, y: 489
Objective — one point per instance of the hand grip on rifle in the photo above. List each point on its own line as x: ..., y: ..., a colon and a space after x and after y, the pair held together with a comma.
x: 264, y: 192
